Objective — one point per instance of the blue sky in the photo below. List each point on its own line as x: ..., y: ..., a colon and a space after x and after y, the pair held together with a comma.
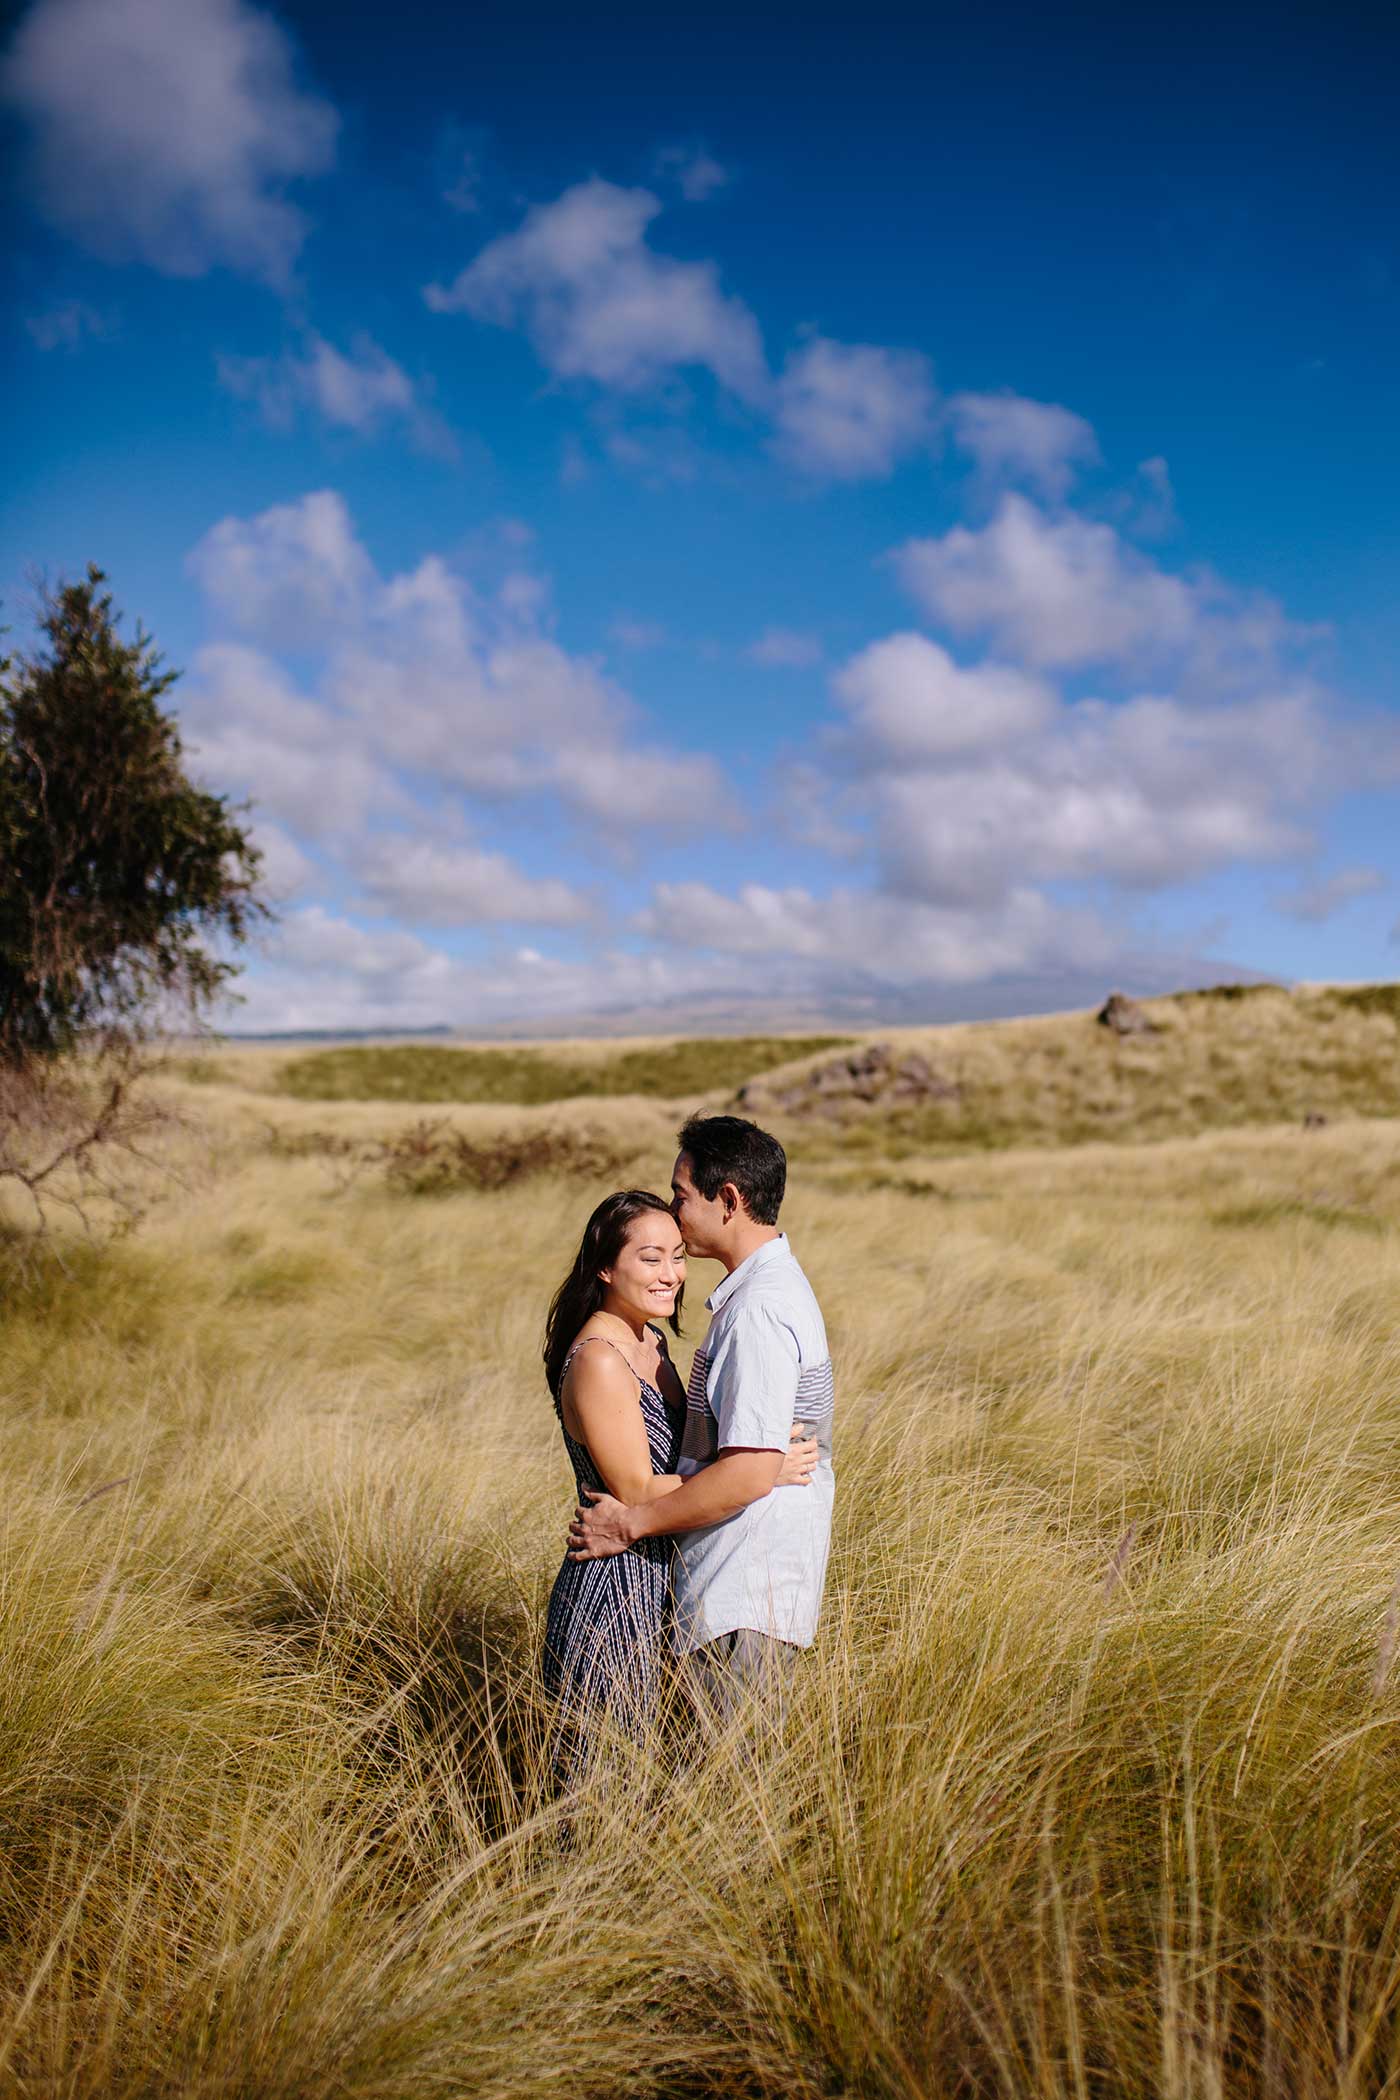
x: 735, y: 514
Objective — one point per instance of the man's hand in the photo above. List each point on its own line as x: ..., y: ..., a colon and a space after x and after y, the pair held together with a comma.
x: 603, y: 1530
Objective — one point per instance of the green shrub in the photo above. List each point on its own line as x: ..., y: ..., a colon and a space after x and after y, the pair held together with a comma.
x: 431, y: 1160
x: 1369, y: 999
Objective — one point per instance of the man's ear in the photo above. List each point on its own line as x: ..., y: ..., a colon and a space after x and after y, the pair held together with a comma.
x: 731, y: 1199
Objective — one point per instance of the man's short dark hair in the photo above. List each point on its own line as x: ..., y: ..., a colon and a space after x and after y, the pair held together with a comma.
x: 727, y: 1148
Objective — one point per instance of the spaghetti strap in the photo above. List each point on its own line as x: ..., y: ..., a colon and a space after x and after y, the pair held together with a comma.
x: 582, y: 1343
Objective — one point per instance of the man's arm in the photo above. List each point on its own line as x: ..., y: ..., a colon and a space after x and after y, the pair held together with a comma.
x: 733, y: 1480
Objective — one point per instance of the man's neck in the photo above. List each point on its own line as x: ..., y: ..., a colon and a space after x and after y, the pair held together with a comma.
x: 746, y: 1241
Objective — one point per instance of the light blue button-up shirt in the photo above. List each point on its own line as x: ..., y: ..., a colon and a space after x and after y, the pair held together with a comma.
x: 764, y: 1364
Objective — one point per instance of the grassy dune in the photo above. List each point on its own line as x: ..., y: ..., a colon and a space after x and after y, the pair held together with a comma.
x: 527, y: 1076
x: 1209, y: 1061
x: 1091, y: 1786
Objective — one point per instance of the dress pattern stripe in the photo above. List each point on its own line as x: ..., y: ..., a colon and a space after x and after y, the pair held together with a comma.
x: 606, y: 1629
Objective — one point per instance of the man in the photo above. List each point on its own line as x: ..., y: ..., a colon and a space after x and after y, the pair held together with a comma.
x: 750, y: 1557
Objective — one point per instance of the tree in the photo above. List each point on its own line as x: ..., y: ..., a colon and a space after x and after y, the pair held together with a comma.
x: 123, y: 886
x: 116, y: 872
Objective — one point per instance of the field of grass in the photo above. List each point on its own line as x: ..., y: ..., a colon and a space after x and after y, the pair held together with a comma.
x: 434, y: 1072
x: 1091, y: 1787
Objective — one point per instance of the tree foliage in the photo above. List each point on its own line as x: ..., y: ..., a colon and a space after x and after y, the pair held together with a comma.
x: 123, y: 886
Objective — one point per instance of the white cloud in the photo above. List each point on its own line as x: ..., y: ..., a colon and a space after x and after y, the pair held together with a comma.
x: 845, y: 411
x: 64, y: 327
x: 165, y: 130
x: 600, y: 303
x: 251, y: 732
x: 361, y: 390
x: 881, y: 937
x: 696, y: 173
x: 456, y: 885
x: 424, y: 679
x: 1066, y: 593
x: 293, y: 573
x: 974, y: 781
x: 619, y: 785
x: 1052, y: 592
x: 1313, y: 903
x: 785, y: 649
x: 1013, y: 439
x: 908, y: 700
x: 286, y: 870
x: 1077, y: 812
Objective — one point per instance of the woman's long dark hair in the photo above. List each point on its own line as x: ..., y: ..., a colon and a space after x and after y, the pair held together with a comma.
x: 581, y: 1293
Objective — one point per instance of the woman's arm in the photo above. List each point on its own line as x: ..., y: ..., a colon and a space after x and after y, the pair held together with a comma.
x: 604, y: 1524
x: 601, y: 1392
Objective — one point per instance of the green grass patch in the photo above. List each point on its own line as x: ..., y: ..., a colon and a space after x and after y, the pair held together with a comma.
x: 432, y: 1072
x: 1282, y: 1210
x: 1228, y: 993
x: 1369, y: 999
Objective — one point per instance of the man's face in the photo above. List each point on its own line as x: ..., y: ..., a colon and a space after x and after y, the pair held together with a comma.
x: 701, y: 1218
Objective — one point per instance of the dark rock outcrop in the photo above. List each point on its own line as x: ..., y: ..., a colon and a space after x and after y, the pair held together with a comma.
x: 1124, y: 1016
x: 873, y: 1074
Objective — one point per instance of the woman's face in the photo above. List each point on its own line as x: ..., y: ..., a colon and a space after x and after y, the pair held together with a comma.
x: 650, y: 1267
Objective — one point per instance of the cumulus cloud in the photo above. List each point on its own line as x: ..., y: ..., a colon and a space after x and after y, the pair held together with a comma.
x: 600, y: 303
x: 1067, y: 593
x: 1142, y: 795
x: 1012, y: 439
x: 848, y: 410
x: 167, y: 130
x: 908, y: 700
x: 251, y: 732
x: 423, y: 678
x: 361, y: 389
x: 1313, y: 903
x: 294, y: 573
x: 880, y: 936
x: 972, y: 781
x: 462, y: 885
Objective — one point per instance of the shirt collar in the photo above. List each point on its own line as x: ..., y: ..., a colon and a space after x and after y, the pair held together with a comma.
x: 771, y: 1250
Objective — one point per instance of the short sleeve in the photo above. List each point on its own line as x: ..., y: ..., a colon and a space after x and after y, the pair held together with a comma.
x: 751, y: 1382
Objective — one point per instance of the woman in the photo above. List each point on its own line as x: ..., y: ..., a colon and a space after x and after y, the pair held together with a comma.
x: 621, y: 1406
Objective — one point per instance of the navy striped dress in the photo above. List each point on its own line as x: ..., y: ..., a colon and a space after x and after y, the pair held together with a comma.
x: 606, y: 1630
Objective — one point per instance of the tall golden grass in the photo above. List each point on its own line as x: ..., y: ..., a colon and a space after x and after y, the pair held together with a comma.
x: 1090, y: 1788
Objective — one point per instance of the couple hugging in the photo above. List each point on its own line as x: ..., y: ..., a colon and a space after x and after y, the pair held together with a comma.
x: 704, y: 1513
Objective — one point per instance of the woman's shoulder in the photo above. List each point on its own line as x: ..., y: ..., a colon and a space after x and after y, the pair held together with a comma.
x: 595, y: 1366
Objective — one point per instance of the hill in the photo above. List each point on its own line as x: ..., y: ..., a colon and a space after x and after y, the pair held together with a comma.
x: 1191, y: 1062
